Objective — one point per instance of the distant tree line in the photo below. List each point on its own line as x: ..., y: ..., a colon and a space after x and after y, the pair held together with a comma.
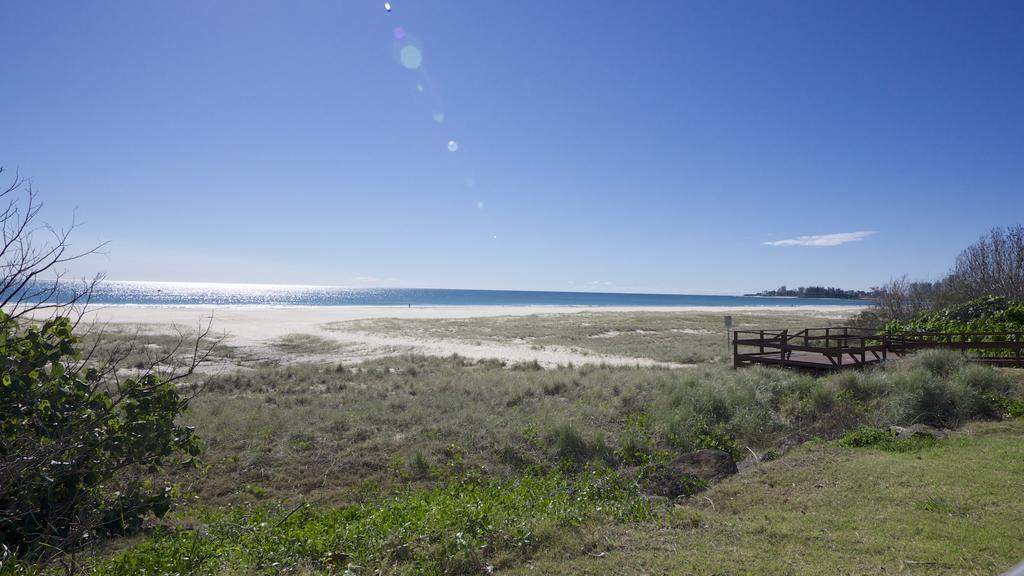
x: 816, y: 292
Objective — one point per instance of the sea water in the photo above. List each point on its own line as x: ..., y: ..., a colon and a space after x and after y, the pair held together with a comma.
x: 197, y: 293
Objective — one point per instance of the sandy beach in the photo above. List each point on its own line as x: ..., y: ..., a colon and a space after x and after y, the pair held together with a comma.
x: 256, y: 329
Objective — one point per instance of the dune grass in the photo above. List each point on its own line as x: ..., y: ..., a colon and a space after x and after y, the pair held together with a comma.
x: 680, y: 337
x: 335, y: 434
x: 141, y: 347
x: 306, y: 344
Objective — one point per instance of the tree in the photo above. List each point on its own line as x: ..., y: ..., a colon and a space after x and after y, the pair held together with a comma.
x: 32, y: 255
x: 900, y: 299
x: 992, y: 266
x: 77, y: 436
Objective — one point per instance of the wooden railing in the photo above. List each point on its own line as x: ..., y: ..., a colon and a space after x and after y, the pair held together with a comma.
x: 846, y: 346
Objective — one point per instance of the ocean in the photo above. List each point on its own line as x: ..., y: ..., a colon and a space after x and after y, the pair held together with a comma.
x: 209, y: 294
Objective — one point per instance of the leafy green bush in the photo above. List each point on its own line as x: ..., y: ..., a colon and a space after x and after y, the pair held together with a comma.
x: 75, y: 443
x: 990, y: 314
x: 1008, y: 407
x: 865, y: 437
x: 885, y: 440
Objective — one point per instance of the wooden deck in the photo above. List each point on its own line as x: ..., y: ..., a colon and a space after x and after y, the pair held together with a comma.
x: 847, y: 347
x: 806, y: 359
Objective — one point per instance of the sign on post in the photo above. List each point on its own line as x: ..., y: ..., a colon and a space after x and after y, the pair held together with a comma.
x: 728, y: 326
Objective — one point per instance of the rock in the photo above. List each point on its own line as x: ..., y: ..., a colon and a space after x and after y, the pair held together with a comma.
x: 666, y: 482
x: 915, y: 429
x: 705, y: 464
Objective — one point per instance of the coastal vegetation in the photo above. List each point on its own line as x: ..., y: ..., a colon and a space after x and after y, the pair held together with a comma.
x: 852, y: 510
x: 120, y: 455
x: 989, y: 314
x: 76, y: 442
x: 992, y: 267
x: 676, y: 337
x: 420, y: 464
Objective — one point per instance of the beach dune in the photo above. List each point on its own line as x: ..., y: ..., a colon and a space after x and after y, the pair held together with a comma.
x: 258, y: 328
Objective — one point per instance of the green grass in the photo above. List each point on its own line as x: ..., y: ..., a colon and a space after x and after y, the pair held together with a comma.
x: 952, y: 508
x: 467, y: 526
x: 681, y: 337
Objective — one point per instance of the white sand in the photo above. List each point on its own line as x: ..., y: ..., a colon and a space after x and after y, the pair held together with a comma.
x: 257, y: 327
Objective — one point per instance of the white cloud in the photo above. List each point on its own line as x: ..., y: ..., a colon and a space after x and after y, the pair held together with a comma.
x: 821, y: 239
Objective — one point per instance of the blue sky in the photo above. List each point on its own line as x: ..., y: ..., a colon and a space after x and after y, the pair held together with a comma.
x: 658, y: 146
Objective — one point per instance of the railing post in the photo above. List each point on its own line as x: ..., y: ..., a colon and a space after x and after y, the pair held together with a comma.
x: 735, y: 351
x: 762, y: 342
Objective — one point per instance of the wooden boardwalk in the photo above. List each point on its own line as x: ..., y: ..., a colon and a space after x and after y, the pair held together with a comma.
x: 847, y: 347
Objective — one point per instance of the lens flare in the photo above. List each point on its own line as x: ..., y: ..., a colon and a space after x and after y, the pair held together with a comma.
x: 410, y: 57
x: 387, y: 6
x: 453, y: 146
x: 399, y: 33
x: 439, y: 117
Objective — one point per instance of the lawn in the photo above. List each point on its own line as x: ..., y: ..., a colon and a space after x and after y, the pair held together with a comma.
x: 954, y: 508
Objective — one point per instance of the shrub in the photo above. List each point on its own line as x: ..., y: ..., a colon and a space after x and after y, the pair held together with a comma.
x: 1007, y: 407
x: 937, y: 363
x: 989, y: 314
x: 885, y: 440
x: 74, y: 445
x: 728, y: 410
x: 984, y: 380
x: 570, y: 446
x: 865, y: 437
x: 939, y: 403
